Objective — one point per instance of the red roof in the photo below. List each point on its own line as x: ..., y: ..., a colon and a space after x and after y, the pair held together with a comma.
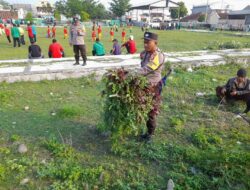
x: 222, y: 15
x: 8, y: 15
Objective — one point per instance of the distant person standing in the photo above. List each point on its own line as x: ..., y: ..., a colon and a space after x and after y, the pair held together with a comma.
x: 99, y: 31
x: 123, y: 35
x: 130, y: 27
x: 34, y: 31
x: 93, y: 36
x: 7, y: 33
x: 54, y: 31
x: 77, y: 33
x: 15, y: 35
x: 1, y: 29
x: 55, y: 50
x: 65, y: 32
x: 48, y: 32
x: 21, y: 30
x: 112, y: 34
x: 30, y: 33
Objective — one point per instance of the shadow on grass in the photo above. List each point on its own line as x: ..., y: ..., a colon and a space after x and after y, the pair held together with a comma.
x: 32, y: 126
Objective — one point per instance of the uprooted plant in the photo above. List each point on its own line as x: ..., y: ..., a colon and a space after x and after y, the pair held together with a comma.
x: 128, y: 100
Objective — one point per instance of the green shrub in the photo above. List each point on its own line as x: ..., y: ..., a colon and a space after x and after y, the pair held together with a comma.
x: 216, y: 45
x: 68, y: 112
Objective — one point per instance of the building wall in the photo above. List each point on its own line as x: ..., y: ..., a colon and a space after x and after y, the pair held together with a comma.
x: 201, y: 9
x: 7, y: 14
x: 236, y: 24
x: 136, y: 14
x: 213, y: 18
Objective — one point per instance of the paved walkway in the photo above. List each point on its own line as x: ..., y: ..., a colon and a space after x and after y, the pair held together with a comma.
x: 51, y: 69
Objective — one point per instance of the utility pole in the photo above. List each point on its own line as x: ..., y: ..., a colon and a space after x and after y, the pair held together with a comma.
x: 206, y: 12
x: 222, y: 4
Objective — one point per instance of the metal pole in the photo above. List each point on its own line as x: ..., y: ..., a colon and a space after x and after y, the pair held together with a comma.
x: 149, y: 14
x: 206, y: 12
x: 179, y: 10
x: 222, y: 3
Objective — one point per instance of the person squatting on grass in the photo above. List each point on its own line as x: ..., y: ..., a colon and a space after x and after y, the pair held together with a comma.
x: 130, y: 45
x: 98, y: 48
x: 56, y: 50
x: 77, y: 33
x: 116, y: 48
x: 35, y: 51
x: 237, y: 88
x: 152, y: 63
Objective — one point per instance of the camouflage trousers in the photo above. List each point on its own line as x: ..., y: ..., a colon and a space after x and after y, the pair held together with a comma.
x: 152, y: 115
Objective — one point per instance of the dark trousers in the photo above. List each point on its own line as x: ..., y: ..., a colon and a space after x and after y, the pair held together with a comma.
x: 152, y: 115
x: 94, y: 53
x: 16, y: 40
x: 8, y: 38
x: 31, y: 39
x: 22, y: 40
x: 34, y: 37
x: 128, y: 48
x: 80, y: 49
x: 245, y: 97
x: 50, y: 54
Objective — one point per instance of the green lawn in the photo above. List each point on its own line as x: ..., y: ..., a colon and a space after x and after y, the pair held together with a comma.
x: 168, y: 41
x: 196, y: 144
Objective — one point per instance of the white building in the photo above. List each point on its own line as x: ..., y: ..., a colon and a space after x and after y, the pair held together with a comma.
x: 44, y: 9
x: 149, y: 11
x: 23, y: 9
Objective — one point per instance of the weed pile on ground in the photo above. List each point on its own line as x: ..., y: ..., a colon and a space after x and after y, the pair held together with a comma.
x: 128, y: 100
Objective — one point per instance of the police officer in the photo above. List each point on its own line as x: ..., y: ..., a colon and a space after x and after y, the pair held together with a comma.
x: 76, y: 38
x: 152, y: 64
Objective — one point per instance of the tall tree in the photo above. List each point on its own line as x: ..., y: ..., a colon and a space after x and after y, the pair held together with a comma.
x: 70, y: 8
x: 119, y: 7
x: 202, y: 18
x: 29, y: 17
x: 180, y: 11
x: 47, y: 7
x: 5, y: 4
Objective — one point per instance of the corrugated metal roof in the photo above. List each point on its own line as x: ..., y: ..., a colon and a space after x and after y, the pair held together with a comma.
x: 242, y: 12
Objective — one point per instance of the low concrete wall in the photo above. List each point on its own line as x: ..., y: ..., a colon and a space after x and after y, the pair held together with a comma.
x: 54, y: 69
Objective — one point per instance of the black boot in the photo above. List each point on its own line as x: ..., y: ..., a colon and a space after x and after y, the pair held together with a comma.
x: 84, y: 61
x: 146, y: 137
x: 77, y: 60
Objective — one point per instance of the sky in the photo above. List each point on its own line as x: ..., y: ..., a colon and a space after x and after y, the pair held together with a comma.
x: 235, y: 4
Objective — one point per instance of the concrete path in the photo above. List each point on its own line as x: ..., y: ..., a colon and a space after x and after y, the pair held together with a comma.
x: 56, y: 69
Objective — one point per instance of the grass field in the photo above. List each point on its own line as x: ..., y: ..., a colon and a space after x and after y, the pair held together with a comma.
x: 197, y: 144
x: 168, y: 41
